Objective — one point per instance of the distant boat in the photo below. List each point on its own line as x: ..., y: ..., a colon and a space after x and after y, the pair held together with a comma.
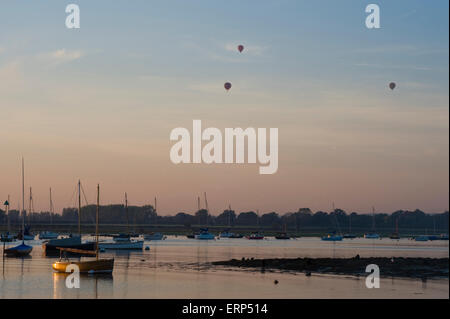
x: 284, y: 236
x: 421, y: 238
x: 89, y: 266
x: 372, y: 234
x: 22, y: 249
x: 394, y: 236
x: 204, y: 234
x: 226, y: 234
x: 48, y: 235
x: 123, y: 245
x: 192, y: 236
x: 255, y: 236
x: 234, y: 235
x: 19, y: 251
x: 154, y: 236
x: 25, y: 235
x: 332, y: 237
x: 349, y: 235
x: 6, y: 238
x: 123, y: 241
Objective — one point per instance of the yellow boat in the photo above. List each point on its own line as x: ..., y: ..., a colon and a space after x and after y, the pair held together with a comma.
x: 86, y: 266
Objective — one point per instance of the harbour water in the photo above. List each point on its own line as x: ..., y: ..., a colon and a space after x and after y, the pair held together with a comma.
x: 180, y: 268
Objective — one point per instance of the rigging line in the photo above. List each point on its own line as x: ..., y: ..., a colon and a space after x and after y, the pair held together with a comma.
x: 71, y: 199
x: 84, y: 195
x: 87, y: 204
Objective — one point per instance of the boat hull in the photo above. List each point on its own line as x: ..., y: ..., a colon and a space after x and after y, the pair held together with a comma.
x: 91, y: 266
x: 132, y: 245
x: 51, y: 248
x: 18, y: 251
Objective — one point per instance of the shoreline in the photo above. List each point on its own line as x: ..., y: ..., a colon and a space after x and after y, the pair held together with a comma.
x: 401, y: 267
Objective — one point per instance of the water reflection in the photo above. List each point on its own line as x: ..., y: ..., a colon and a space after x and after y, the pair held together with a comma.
x: 91, y: 286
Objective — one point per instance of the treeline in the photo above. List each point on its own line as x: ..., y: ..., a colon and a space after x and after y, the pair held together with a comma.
x: 304, y: 218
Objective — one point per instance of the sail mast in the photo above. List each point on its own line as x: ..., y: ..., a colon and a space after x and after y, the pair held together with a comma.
x: 96, y: 224
x: 23, y: 201
x: 79, y: 208
x: 207, y: 210
x: 126, y: 211
x: 51, y: 207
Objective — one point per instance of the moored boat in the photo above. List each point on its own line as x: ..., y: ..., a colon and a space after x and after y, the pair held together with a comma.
x: 19, y: 251
x: 204, y: 234
x: 154, y: 236
x: 86, y: 266
x: 282, y: 236
x: 255, y: 236
x: 123, y: 245
x: 48, y: 235
x: 332, y: 237
x: 421, y: 238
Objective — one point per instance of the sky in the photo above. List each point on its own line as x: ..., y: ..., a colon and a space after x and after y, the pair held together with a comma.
x: 98, y: 103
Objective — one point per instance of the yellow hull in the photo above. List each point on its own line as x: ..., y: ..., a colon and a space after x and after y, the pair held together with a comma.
x: 91, y: 266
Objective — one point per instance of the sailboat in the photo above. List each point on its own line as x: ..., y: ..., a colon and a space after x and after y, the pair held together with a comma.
x: 49, y: 234
x: 395, y: 235
x: 51, y: 247
x: 86, y: 266
x: 204, y: 233
x: 155, y: 235
x: 124, y: 241
x: 349, y: 235
x: 333, y: 236
x: 372, y: 234
x: 22, y: 249
x: 283, y: 235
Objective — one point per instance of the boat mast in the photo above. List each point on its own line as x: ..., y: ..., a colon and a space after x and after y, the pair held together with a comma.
x: 156, y: 214
x: 373, y: 219
x: 96, y: 224
x: 31, y: 208
x: 7, y: 216
x: 126, y: 211
x: 51, y: 207
x: 207, y: 210
x: 23, y: 202
x: 79, y: 208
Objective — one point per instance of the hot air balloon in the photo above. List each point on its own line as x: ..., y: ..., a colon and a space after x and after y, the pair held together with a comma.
x: 240, y: 47
x: 392, y: 85
x: 227, y: 86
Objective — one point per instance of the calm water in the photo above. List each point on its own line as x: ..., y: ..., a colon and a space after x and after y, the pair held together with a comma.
x: 178, y: 268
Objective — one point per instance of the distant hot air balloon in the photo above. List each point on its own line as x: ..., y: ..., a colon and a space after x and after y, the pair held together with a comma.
x: 240, y: 47
x: 227, y: 86
x: 392, y: 85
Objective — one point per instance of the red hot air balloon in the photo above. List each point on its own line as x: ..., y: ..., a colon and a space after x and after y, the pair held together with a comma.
x: 227, y: 86
x: 392, y: 85
x: 240, y: 47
